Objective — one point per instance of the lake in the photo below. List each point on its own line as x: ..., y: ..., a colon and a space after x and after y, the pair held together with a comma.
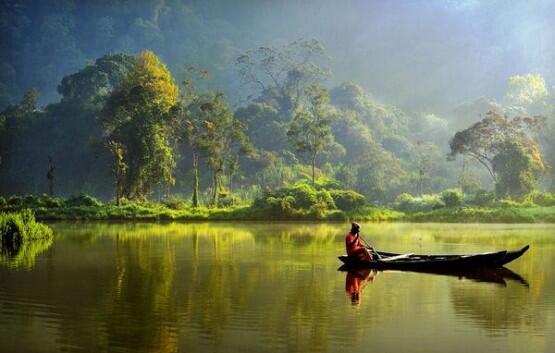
x: 255, y: 287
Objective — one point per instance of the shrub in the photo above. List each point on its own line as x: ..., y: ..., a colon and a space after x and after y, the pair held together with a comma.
x: 83, y: 200
x: 296, y: 201
x: 327, y: 183
x: 305, y: 196
x: 451, y: 197
x: 407, y: 203
x: 512, y: 204
x: 324, y: 200
x: 175, y: 203
x: 318, y: 211
x: 542, y: 198
x: 281, y: 206
x: 229, y: 200
x: 15, y: 202
x: 18, y: 227
x: 3, y: 202
x: 50, y: 201
x: 483, y: 198
x: 347, y: 199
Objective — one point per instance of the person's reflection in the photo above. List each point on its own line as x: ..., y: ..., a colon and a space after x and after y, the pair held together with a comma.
x: 355, y: 282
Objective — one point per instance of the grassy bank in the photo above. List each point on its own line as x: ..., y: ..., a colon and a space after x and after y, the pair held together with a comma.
x: 298, y: 203
x: 534, y: 214
x: 20, y: 228
x: 84, y: 207
x: 160, y: 212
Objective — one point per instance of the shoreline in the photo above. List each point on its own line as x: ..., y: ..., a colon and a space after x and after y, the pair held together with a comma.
x: 525, y: 215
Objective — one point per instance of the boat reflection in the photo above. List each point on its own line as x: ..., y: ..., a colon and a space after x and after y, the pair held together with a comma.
x: 358, y: 277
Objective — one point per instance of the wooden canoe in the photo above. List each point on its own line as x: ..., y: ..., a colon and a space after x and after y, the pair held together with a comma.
x: 412, y: 262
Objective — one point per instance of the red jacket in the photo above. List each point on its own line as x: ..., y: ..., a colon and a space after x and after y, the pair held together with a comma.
x: 352, y: 242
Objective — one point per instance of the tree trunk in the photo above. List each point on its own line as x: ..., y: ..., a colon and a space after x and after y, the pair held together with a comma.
x: 51, y: 186
x: 196, y: 202
x: 313, y: 169
x: 118, y: 191
x: 463, y: 176
x: 50, y: 176
x: 215, y: 189
x: 420, y: 182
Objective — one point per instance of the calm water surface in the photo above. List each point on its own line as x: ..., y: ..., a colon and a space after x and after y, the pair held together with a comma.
x: 270, y: 288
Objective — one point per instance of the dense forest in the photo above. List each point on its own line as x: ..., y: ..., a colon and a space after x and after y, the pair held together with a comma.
x: 151, y: 100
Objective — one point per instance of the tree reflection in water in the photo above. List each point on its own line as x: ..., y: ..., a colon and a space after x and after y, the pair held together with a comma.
x: 257, y: 287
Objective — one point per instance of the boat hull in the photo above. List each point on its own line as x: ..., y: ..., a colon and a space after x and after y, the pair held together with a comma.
x: 412, y: 262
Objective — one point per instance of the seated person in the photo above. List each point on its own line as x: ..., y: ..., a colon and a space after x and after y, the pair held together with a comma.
x: 354, y: 246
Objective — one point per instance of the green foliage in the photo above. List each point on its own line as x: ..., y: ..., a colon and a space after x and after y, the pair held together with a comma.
x: 485, y: 215
x: 302, y: 200
x: 284, y: 204
x: 407, y: 203
x: 14, y: 201
x: 517, y: 170
x: 347, y: 199
x: 452, y: 197
x: 482, y: 198
x: 296, y: 198
x: 281, y: 75
x: 229, y: 200
x: 139, y: 116
x: 372, y: 213
x: 17, y: 203
x: 508, y: 203
x: 19, y: 227
x: 82, y: 200
x: 542, y: 198
x: 310, y: 129
x: 176, y: 204
x: 219, y: 137
x: 24, y: 256
x: 266, y: 130
x: 506, y: 148
x: 96, y: 81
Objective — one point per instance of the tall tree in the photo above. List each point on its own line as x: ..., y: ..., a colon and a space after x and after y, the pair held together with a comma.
x: 492, y: 139
x: 140, y: 115
x: 119, y: 168
x: 191, y: 122
x: 518, y: 168
x: 423, y: 159
x: 221, y: 138
x: 16, y: 121
x: 280, y: 76
x: 310, y: 130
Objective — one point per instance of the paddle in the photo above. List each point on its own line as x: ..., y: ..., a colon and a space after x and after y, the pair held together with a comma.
x: 368, y: 246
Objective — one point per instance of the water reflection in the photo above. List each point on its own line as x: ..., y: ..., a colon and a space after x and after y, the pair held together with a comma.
x: 356, y: 280
x: 23, y: 255
x: 256, y: 287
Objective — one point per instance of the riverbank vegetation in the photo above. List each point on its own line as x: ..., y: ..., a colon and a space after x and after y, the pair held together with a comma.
x: 299, y: 202
x: 22, y: 238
